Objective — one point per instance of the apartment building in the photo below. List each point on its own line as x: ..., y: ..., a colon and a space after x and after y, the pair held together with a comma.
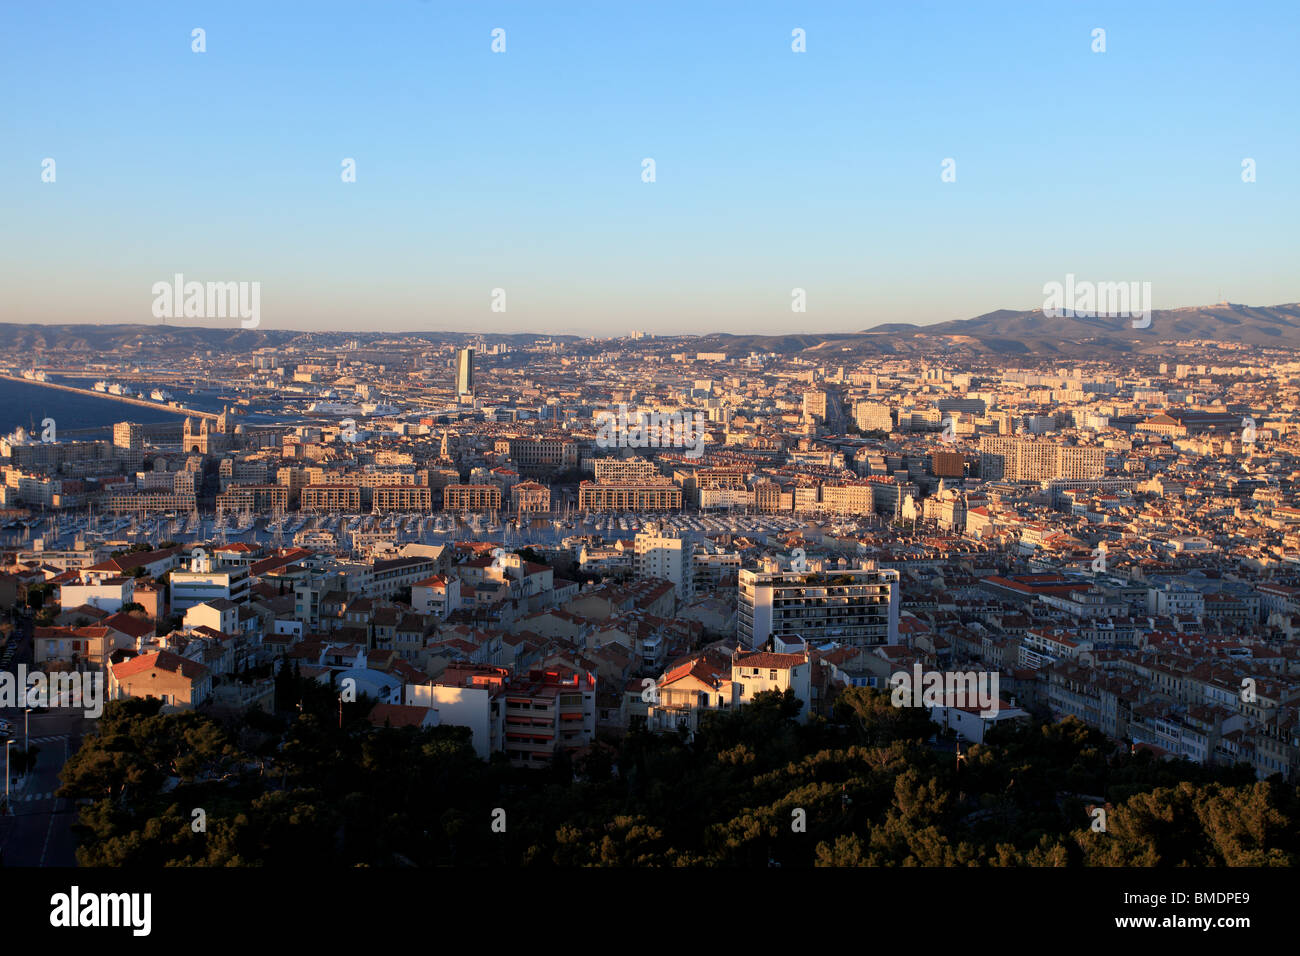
x: 855, y: 608
x: 542, y: 455
x: 389, y: 577
x: 207, y: 579
x: 849, y: 499
x: 663, y: 556
x: 469, y: 695
x: 128, y: 439
x: 625, y: 470
x: 403, y: 498
x: 147, y: 503
x: 330, y: 498
x: 711, y: 568
x: 661, y: 495
x: 189, y: 588
x: 1021, y: 459
x: 947, y: 464
x: 548, y: 711
x: 814, y: 404
x: 1040, y: 647
x: 264, y: 499
x: 873, y: 417
x: 768, y: 497
x: 471, y: 498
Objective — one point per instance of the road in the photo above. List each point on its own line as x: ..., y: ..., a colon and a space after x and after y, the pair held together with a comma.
x: 37, y: 831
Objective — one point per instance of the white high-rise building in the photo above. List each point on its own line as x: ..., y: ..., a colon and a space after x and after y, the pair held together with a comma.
x: 857, y: 608
x: 663, y: 556
x: 873, y: 416
x: 1016, y: 459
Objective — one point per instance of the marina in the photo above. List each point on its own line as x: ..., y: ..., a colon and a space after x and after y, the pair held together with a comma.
x: 354, y: 533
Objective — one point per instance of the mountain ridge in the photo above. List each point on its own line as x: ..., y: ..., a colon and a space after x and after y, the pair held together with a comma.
x: 1006, y: 332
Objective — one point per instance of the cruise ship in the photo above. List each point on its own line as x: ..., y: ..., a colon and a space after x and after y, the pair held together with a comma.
x: 351, y: 408
x: 334, y: 408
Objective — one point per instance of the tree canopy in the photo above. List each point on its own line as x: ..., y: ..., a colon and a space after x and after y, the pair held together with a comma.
x: 754, y: 787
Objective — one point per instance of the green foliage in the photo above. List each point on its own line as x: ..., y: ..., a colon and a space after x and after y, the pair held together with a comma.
x: 532, y: 554
x: 37, y: 593
x: 755, y: 787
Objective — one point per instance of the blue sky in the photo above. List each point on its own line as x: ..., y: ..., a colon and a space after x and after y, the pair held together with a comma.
x: 522, y: 170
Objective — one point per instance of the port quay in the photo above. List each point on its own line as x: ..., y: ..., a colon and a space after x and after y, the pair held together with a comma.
x: 125, y: 399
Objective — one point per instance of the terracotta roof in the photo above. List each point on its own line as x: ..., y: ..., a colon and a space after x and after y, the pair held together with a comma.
x: 768, y: 659
x: 162, y: 660
x: 437, y: 581
x: 127, y: 562
x: 398, y: 715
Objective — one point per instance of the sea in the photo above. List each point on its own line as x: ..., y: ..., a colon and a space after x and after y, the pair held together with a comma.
x: 25, y: 405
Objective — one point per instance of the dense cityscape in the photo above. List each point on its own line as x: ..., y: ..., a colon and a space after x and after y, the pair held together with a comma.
x: 542, y: 550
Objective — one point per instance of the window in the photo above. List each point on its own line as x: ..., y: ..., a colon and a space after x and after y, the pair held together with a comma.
x: 771, y: 675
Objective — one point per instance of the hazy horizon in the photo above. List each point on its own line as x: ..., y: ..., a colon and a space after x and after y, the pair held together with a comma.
x: 197, y: 324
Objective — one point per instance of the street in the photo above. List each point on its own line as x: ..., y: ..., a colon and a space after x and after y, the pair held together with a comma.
x: 37, y: 829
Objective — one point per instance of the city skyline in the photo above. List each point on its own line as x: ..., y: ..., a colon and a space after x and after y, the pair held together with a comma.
x: 516, y: 172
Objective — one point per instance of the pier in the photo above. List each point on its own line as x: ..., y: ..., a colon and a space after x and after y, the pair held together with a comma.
x: 125, y: 399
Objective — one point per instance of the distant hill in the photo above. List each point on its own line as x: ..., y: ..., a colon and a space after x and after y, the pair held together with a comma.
x: 137, y: 339
x: 1226, y: 322
x: 1001, y: 333
x: 1009, y: 332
